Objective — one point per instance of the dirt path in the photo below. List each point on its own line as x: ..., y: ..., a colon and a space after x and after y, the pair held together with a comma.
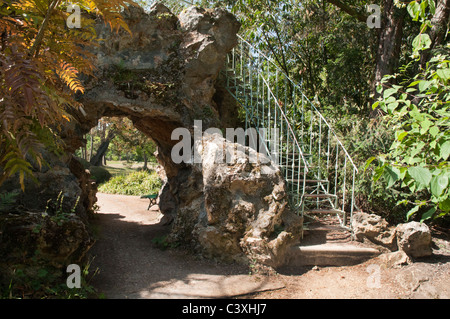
x: 132, y: 266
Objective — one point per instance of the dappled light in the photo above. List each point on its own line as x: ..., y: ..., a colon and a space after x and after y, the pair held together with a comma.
x: 224, y: 149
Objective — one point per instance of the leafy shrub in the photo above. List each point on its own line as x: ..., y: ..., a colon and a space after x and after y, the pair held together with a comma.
x: 137, y: 183
x: 419, y: 115
x: 418, y: 157
x: 100, y: 174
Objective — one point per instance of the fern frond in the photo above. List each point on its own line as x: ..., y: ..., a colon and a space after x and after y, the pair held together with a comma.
x: 22, y: 81
x: 69, y: 75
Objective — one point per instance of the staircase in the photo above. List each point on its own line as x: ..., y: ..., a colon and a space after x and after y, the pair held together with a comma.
x: 318, y: 170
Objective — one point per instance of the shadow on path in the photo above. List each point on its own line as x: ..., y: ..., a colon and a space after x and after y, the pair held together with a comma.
x: 132, y: 266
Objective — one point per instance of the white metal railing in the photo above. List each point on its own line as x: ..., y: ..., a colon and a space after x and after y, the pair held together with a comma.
x: 319, y: 171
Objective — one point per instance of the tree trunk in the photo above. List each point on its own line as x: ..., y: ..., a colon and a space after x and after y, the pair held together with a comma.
x: 389, y: 38
x: 97, y: 160
x: 438, y: 30
x: 145, y: 160
x: 389, y: 42
x: 91, y: 151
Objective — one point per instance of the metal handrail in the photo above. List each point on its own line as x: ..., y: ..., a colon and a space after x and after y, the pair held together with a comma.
x: 303, y: 95
x: 250, y: 67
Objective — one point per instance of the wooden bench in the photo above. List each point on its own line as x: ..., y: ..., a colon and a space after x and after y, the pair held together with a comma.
x: 152, y: 198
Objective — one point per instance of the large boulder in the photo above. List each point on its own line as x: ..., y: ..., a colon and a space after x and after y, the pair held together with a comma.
x: 236, y: 210
x: 414, y: 239
x: 55, y: 237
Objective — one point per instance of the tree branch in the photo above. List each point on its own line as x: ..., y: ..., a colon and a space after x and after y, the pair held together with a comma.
x: 351, y: 11
x: 37, y: 42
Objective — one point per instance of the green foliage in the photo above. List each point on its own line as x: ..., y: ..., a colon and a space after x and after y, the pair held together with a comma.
x: 130, y: 143
x: 57, y: 211
x: 100, y: 174
x: 419, y: 115
x: 46, y: 282
x: 137, y: 183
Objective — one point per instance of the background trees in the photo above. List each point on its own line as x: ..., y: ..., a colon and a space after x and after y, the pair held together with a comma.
x: 117, y: 139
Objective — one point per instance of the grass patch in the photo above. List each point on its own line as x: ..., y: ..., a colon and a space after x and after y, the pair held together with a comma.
x: 136, y: 183
x: 115, y: 171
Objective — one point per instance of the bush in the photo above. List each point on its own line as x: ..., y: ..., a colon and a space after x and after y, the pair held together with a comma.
x: 137, y: 183
x: 100, y: 174
x: 418, y: 157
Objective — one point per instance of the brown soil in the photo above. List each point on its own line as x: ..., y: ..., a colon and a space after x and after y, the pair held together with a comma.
x: 133, y: 263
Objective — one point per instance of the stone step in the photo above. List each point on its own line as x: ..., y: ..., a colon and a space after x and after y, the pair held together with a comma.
x: 308, y: 181
x: 325, y: 211
x: 320, y: 196
x: 330, y: 254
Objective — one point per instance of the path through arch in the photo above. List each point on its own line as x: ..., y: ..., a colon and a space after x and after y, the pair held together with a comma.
x: 131, y: 265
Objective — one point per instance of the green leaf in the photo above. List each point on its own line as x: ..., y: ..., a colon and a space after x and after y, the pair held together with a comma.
x: 416, y: 150
x: 392, y: 106
x: 421, y: 175
x: 438, y: 184
x: 445, y: 205
x: 432, y: 6
x: 421, y: 42
x: 425, y: 126
x: 370, y: 160
x: 402, y: 202
x: 444, y: 74
x: 434, y: 131
x: 423, y: 85
x: 428, y: 214
x: 391, y: 175
x: 387, y: 93
x: 402, y: 135
x: 445, y: 150
x: 412, y: 211
x: 413, y: 9
x: 378, y: 173
x: 423, y: 6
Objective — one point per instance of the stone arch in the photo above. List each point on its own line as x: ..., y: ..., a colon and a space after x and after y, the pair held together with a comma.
x: 163, y: 76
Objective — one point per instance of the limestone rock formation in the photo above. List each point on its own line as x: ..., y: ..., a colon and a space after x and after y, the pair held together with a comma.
x: 414, y: 239
x: 163, y: 76
x: 235, y: 210
x: 373, y: 228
